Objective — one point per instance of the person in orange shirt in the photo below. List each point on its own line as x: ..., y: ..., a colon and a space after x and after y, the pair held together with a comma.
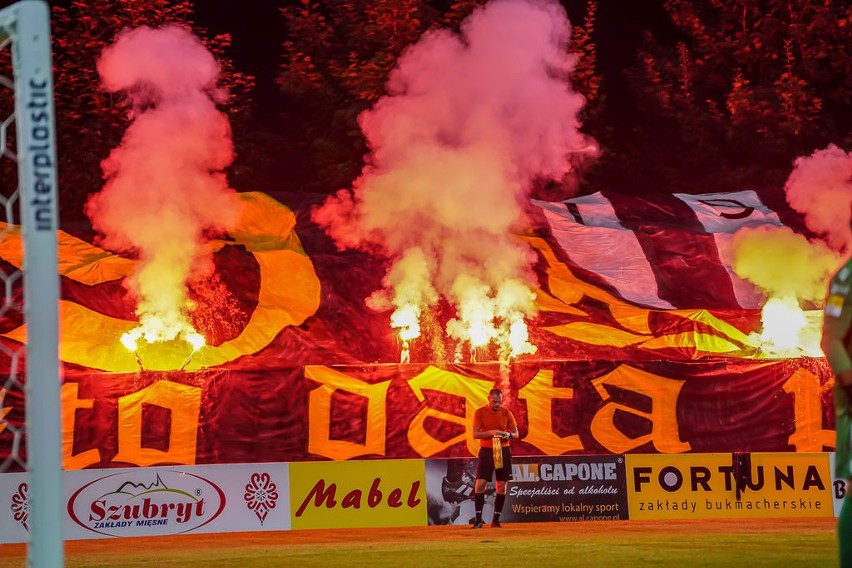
x: 494, y: 427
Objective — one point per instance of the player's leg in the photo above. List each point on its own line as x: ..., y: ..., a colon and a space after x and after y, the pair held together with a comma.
x: 844, y: 529
x: 484, y: 471
x: 504, y: 474
x: 843, y: 468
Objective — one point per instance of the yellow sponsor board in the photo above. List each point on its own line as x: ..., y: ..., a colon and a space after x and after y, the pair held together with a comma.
x: 704, y: 486
x: 373, y: 493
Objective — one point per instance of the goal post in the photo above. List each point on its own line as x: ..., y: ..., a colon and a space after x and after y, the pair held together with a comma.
x: 27, y: 25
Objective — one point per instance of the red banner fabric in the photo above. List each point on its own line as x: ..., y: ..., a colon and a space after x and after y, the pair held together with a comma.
x: 412, y: 411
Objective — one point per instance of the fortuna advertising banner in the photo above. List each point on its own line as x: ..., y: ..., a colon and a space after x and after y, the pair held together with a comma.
x: 157, y: 501
x: 702, y: 486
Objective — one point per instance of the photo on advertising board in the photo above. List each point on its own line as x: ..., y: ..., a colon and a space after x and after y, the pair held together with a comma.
x: 542, y: 489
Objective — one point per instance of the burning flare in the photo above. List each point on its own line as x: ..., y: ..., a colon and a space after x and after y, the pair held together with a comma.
x: 472, y: 118
x: 165, y: 190
x: 131, y: 339
x: 789, y: 331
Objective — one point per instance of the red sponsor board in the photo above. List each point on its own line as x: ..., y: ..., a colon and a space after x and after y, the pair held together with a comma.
x: 411, y: 411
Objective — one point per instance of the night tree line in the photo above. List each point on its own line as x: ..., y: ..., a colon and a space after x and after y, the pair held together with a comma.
x: 724, y: 100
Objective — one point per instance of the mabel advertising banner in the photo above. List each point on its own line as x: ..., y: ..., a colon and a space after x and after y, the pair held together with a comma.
x: 581, y: 488
x: 157, y: 501
x: 699, y: 486
x: 388, y: 493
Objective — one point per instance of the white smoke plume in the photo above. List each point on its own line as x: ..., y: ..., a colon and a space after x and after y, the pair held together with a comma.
x: 165, y: 188
x: 469, y: 121
x: 820, y: 188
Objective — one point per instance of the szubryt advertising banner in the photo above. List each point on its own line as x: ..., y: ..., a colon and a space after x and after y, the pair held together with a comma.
x: 157, y: 501
x: 542, y: 489
x: 387, y: 493
x: 698, y: 486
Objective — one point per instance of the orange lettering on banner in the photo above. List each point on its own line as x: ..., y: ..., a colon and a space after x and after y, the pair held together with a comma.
x: 70, y: 404
x: 809, y: 435
x: 475, y: 394
x: 319, y: 414
x: 540, y: 394
x: 184, y: 402
x: 663, y: 392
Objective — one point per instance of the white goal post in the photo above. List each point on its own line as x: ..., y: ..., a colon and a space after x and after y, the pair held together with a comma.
x: 26, y: 26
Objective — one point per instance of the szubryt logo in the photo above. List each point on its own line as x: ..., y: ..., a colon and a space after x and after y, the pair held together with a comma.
x: 146, y: 503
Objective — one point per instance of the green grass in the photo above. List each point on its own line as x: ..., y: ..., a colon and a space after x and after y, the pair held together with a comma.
x: 669, y: 544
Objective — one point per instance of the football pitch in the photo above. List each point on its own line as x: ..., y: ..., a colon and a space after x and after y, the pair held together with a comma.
x: 751, y: 542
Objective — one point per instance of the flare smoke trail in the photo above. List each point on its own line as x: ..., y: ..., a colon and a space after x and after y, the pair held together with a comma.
x: 786, y: 264
x: 164, y: 184
x: 820, y: 188
x: 469, y: 121
x: 788, y: 267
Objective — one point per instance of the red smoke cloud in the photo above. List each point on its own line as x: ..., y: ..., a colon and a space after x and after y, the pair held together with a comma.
x: 165, y: 188
x: 469, y: 122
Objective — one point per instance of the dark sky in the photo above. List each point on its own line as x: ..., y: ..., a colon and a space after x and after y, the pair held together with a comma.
x: 257, y: 33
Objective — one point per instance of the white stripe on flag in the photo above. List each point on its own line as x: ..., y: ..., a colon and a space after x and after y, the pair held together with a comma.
x: 730, y: 212
x: 602, y: 245
x: 722, y: 215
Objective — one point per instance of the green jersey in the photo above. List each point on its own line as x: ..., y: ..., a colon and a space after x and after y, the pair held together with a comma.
x: 836, y: 338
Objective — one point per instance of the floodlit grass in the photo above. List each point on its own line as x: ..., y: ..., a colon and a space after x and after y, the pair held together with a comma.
x: 753, y: 543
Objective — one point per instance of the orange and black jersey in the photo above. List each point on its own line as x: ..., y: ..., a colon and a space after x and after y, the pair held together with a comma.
x: 487, y: 419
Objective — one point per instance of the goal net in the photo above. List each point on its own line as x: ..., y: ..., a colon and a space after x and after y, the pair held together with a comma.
x: 30, y: 291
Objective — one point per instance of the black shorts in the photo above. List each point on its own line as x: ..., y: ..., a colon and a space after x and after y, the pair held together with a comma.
x: 485, y: 467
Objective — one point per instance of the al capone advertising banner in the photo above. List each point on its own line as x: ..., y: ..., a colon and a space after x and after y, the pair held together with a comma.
x: 542, y: 489
x: 387, y: 493
x: 702, y: 486
x: 102, y: 503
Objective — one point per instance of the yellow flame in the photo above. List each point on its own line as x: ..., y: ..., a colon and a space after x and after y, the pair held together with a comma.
x: 789, y: 331
x: 196, y: 340
x: 406, y: 319
x: 130, y: 339
x: 519, y: 339
x: 171, y: 344
x: 480, y: 330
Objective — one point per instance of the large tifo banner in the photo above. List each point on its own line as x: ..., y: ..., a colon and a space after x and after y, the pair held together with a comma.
x: 614, y: 277
x: 645, y: 343
x: 420, y: 411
